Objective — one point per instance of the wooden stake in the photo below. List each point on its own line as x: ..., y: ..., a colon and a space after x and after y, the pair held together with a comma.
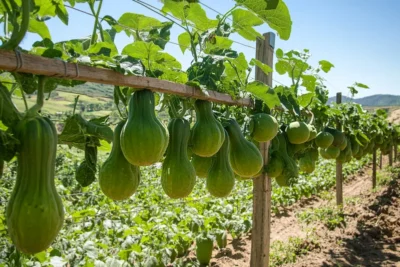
x: 380, y: 161
x: 58, y: 68
x: 391, y: 156
x: 260, y: 235
x: 374, y: 169
x: 339, y: 172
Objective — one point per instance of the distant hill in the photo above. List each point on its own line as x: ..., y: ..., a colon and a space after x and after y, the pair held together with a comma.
x: 373, y: 100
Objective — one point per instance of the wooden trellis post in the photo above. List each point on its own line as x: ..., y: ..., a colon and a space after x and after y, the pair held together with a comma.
x: 261, y: 231
x: 374, y: 169
x: 339, y: 172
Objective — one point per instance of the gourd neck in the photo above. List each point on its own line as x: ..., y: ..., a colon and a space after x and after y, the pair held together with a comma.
x: 116, y: 147
x: 223, y: 152
x: 203, y: 109
x: 234, y: 131
x: 141, y: 104
x: 179, y: 131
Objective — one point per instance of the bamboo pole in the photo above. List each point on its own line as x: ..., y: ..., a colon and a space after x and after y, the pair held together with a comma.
x: 26, y: 63
x: 262, y: 189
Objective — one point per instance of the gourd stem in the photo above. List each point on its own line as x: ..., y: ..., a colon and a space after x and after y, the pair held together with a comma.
x: 75, y: 103
x: 24, y: 99
x: 19, y: 32
x: 5, y: 24
x: 40, y: 97
x: 96, y: 20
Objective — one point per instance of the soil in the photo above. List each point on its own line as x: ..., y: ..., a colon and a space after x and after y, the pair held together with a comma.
x: 371, y: 236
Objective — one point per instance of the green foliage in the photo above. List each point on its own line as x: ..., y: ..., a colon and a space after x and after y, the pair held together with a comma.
x: 331, y: 217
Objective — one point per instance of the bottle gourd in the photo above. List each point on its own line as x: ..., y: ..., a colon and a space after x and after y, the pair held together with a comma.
x: 143, y: 138
x: 245, y: 158
x: 35, y: 212
x: 118, y: 178
x: 207, y: 134
x: 221, y: 178
x: 178, y: 175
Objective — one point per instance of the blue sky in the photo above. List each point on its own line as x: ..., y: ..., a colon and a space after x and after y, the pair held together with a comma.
x: 360, y: 37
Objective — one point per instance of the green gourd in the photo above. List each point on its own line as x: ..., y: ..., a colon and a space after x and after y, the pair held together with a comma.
x: 118, y: 178
x: 245, y: 158
x: 178, y: 175
x: 35, y: 212
x: 338, y: 137
x: 275, y: 165
x: 324, y: 140
x: 263, y: 127
x: 202, y: 165
x: 298, y: 132
x: 207, y: 134
x: 221, y: 178
x: 306, y: 164
x: 204, y: 248
x: 143, y: 138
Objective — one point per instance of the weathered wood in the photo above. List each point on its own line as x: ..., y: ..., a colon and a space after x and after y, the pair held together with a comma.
x: 58, y: 68
x: 339, y: 171
x: 262, y: 190
x: 374, y: 163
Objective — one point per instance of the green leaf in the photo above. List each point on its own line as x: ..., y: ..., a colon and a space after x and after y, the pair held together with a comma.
x: 41, y: 256
x: 184, y: 41
x: 103, y: 48
x: 197, y: 15
x: 305, y: 99
x: 282, y: 67
x: 133, y: 23
x: 243, y: 22
x: 263, y: 92
x: 277, y: 18
x: 151, y: 55
x: 264, y: 67
x: 325, y: 65
x: 39, y: 27
x: 279, y: 53
x: 309, y: 82
x: 361, y: 85
x: 218, y: 43
x: 177, y: 9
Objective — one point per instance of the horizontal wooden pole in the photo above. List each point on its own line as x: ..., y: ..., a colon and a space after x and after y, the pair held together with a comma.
x: 57, y: 68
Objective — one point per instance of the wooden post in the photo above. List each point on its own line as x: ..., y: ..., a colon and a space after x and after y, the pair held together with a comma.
x: 261, y: 231
x: 380, y: 161
x: 339, y: 172
x: 374, y: 169
x: 391, y: 156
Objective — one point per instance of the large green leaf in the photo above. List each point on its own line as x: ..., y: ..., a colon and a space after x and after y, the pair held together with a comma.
x: 243, y: 22
x: 184, y: 41
x: 264, y: 67
x: 305, y: 99
x: 263, y: 92
x: 325, y: 65
x: 39, y: 27
x: 133, y: 23
x: 151, y: 55
x: 309, y: 82
x: 198, y: 17
x: 278, y: 18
